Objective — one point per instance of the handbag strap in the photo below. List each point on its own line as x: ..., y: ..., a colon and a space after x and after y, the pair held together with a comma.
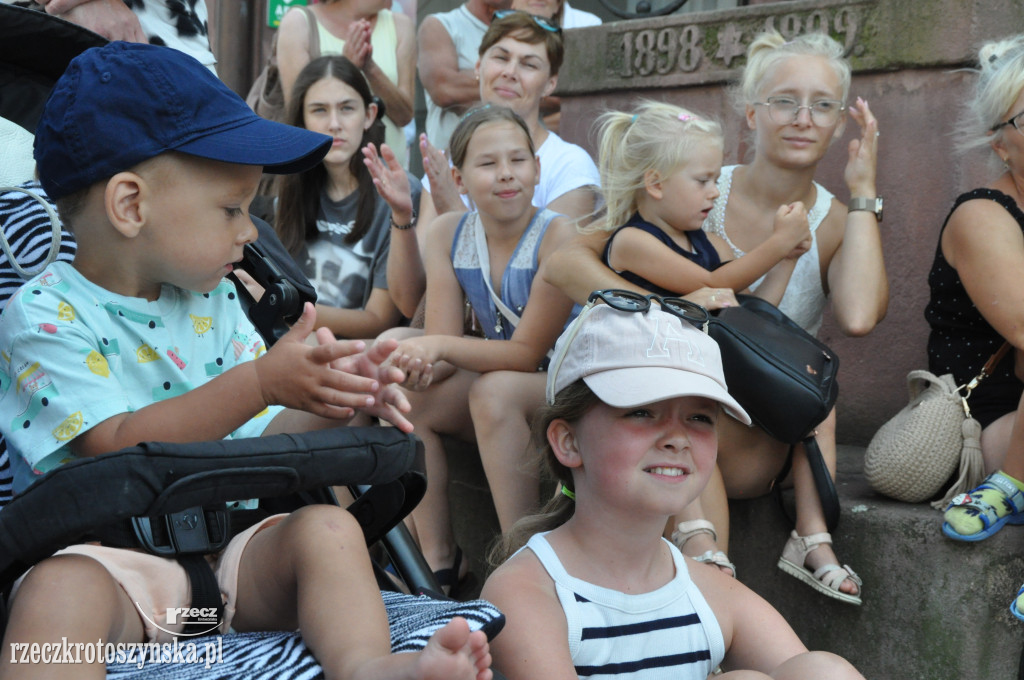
x: 314, y: 32
x: 314, y: 37
x: 485, y: 269
x: 826, y: 488
x: 986, y: 371
x: 823, y: 484
x: 990, y: 365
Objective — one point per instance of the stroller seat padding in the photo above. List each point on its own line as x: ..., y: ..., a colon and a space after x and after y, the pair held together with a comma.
x: 68, y: 502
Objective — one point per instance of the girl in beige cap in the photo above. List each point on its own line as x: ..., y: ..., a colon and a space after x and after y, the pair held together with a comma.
x: 634, y: 397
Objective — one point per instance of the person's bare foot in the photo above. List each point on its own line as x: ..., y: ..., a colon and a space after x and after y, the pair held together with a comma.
x: 455, y: 653
x: 452, y: 653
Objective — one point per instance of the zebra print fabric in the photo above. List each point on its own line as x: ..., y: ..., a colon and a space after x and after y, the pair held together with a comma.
x: 283, y: 656
x: 26, y: 226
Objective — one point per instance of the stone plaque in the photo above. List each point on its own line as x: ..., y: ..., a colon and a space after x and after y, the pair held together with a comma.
x: 701, y: 47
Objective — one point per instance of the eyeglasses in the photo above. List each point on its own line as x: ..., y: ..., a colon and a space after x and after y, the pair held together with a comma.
x: 624, y: 301
x: 785, y: 110
x: 1015, y: 121
x: 543, y: 22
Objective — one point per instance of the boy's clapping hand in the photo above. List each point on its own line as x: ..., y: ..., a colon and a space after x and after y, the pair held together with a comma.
x: 331, y: 379
x: 389, y: 402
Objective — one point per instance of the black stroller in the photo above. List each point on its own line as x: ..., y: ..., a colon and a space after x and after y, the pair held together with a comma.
x: 171, y: 499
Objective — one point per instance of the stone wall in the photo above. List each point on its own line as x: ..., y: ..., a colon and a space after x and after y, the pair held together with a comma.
x: 907, y: 58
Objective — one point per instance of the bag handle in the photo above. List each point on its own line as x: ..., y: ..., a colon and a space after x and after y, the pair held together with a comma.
x: 54, y: 236
x: 918, y: 381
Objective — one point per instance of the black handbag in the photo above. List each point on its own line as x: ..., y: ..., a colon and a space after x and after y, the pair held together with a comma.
x: 784, y: 378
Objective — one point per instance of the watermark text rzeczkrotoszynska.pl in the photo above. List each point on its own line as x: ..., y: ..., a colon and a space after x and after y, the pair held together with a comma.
x: 208, y: 652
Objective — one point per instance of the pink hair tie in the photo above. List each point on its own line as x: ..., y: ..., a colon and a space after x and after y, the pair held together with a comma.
x: 685, y: 117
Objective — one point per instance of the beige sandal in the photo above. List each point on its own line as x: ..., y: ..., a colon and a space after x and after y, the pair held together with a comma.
x: 687, y: 530
x: 825, y: 580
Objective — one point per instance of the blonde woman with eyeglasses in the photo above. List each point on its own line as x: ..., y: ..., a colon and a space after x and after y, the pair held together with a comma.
x: 793, y: 97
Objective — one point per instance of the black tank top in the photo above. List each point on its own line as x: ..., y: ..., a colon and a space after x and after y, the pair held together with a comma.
x: 961, y: 340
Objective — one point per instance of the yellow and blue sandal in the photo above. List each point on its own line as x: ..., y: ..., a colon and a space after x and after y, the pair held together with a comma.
x: 1017, y: 603
x: 1011, y: 502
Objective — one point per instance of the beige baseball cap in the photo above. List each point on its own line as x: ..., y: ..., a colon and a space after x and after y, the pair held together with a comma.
x: 631, y: 358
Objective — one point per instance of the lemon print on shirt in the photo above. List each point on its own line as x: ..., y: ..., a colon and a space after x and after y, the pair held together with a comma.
x: 97, y: 363
x: 201, y: 324
x: 65, y: 312
x: 144, y: 354
x: 68, y: 429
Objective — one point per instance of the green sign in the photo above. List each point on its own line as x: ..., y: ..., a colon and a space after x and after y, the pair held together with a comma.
x: 277, y: 8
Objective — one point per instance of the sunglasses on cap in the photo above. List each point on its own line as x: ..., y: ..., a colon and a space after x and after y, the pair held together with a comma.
x: 628, y: 301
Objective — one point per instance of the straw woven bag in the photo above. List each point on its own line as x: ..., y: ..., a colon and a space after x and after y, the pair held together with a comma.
x: 918, y: 450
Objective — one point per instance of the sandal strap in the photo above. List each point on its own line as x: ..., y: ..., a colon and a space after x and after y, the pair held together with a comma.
x: 832, y: 576
x: 984, y: 511
x: 687, y: 530
x: 798, y: 546
x: 999, y: 481
x: 814, y: 540
x: 717, y: 558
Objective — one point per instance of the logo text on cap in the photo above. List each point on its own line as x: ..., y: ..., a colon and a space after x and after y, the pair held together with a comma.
x: 665, y: 333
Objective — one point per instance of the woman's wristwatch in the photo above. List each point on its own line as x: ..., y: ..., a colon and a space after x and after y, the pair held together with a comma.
x: 873, y: 205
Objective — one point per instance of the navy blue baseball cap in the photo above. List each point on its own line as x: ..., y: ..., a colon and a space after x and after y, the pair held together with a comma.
x: 124, y: 103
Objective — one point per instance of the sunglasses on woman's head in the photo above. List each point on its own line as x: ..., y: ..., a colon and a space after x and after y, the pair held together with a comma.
x: 543, y: 22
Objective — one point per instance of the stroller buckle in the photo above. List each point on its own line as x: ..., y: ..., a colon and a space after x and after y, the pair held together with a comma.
x: 195, y: 530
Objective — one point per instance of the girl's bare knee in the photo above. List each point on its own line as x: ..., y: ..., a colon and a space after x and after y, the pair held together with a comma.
x: 488, y: 402
x: 817, y: 664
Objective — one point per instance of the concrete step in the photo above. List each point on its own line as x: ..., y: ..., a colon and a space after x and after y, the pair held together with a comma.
x: 934, y: 609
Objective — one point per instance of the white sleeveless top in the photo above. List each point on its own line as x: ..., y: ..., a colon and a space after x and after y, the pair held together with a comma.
x: 804, y: 300
x: 666, y: 634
